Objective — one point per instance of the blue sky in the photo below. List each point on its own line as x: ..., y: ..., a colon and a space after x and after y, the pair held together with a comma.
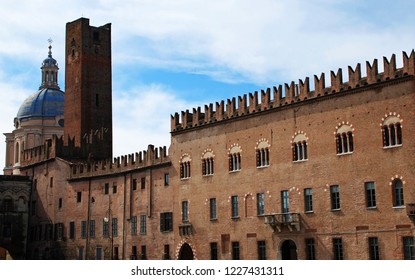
x: 170, y: 56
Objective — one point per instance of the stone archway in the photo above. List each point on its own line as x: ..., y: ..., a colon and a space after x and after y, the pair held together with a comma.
x: 186, y: 252
x: 288, y: 250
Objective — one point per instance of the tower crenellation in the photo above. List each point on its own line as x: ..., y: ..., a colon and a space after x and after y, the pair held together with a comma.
x: 293, y: 93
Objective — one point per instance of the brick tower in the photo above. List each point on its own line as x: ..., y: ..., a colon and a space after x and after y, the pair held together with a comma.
x: 88, y: 87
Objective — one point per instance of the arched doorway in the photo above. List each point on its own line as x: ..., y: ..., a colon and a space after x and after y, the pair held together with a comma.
x: 186, y: 252
x: 4, y: 254
x: 288, y: 250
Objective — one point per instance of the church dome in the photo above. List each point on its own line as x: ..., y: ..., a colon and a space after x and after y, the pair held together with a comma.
x: 46, y: 102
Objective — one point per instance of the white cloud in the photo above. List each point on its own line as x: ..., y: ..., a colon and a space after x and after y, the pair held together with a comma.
x: 260, y: 42
x: 141, y: 116
x: 12, y: 97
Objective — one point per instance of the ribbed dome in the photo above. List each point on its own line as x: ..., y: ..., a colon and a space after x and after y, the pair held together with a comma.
x: 46, y: 102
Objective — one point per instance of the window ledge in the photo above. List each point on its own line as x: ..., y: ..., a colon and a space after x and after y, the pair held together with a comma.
x: 300, y: 160
x: 262, y: 166
x: 235, y: 171
x: 214, y: 220
x: 392, y: 146
x: 336, y: 210
x: 309, y: 212
x: 372, y: 208
x: 184, y: 179
x: 399, y: 207
x: 236, y: 218
x: 207, y: 175
x: 345, y: 154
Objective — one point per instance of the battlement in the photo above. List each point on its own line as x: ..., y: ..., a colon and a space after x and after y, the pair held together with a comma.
x: 39, y: 153
x: 280, y: 96
x: 144, y: 159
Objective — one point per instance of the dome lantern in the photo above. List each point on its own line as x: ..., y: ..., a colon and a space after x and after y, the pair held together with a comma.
x: 49, y: 70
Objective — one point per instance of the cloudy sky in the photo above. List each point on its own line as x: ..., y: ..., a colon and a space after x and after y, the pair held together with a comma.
x: 170, y: 56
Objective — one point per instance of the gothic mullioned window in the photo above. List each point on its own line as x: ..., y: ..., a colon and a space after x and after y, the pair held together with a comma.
x: 392, y: 130
x: 185, y: 166
x: 234, y: 156
x: 344, y: 138
x: 299, y: 146
x: 207, y: 163
x: 262, y: 153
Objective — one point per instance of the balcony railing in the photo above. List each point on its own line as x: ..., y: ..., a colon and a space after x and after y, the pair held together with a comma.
x: 185, y: 229
x: 279, y: 220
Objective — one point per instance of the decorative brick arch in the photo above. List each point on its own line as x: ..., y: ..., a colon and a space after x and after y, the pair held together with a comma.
x: 185, y: 157
x: 299, y: 136
x: 396, y: 177
x: 262, y: 144
x: 180, y: 245
x: 234, y: 148
x: 391, y: 117
x: 207, y: 153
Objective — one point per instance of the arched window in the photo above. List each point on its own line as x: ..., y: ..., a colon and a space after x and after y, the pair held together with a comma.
x: 185, y: 167
x: 207, y: 163
x: 392, y: 130
x: 17, y: 153
x: 234, y: 157
x: 397, y: 193
x: 344, y: 139
x: 262, y: 153
x: 299, y: 146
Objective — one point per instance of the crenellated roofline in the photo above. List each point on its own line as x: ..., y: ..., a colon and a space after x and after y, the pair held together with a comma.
x: 293, y: 93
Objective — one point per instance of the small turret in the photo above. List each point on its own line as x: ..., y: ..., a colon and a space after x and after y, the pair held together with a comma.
x: 49, y: 70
